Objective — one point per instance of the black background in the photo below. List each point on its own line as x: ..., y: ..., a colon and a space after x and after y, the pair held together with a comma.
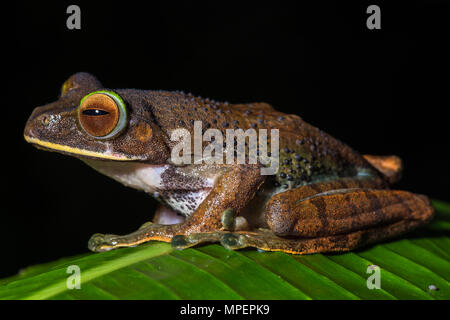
x: 380, y: 91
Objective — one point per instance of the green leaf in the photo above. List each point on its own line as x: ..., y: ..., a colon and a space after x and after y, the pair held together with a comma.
x: 409, y: 266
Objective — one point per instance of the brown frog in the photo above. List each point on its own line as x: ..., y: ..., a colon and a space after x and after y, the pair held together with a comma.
x: 323, y: 197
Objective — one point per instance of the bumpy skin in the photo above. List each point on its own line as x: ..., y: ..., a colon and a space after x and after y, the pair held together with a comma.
x: 325, y: 196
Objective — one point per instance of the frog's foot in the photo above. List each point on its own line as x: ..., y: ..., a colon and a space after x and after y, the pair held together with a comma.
x: 224, y: 236
x: 262, y: 239
x: 179, y: 237
x: 147, y: 232
x: 183, y: 242
x: 229, y: 240
x: 105, y: 242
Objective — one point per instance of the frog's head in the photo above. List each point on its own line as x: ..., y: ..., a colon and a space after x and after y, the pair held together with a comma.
x: 89, y: 121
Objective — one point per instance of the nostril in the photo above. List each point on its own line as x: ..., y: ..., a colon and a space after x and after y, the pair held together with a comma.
x: 45, y: 120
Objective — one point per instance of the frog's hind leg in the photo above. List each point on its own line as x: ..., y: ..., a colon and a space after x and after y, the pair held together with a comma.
x: 339, y: 220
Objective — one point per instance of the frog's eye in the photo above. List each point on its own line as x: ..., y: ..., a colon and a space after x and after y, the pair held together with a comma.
x: 102, y: 114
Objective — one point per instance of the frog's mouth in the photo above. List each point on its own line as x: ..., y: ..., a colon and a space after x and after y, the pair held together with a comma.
x: 78, y: 152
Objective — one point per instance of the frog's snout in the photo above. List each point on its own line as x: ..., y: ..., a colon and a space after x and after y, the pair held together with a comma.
x: 35, y: 121
x: 49, y: 122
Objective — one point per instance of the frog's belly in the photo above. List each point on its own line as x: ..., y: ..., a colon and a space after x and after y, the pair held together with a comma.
x: 183, y: 201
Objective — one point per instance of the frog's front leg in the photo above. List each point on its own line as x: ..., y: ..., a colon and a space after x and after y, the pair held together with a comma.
x: 235, y: 187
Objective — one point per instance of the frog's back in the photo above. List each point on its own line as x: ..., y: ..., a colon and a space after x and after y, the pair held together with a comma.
x: 307, y: 154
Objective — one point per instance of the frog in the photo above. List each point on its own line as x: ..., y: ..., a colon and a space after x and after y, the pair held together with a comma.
x: 324, y: 197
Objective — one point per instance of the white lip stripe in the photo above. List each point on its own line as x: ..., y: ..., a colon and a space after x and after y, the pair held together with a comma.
x: 82, y: 152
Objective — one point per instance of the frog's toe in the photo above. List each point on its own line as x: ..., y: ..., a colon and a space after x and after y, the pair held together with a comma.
x: 102, y: 242
x: 179, y: 242
x: 227, y: 219
x: 183, y: 242
x: 95, y: 242
x: 233, y: 241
